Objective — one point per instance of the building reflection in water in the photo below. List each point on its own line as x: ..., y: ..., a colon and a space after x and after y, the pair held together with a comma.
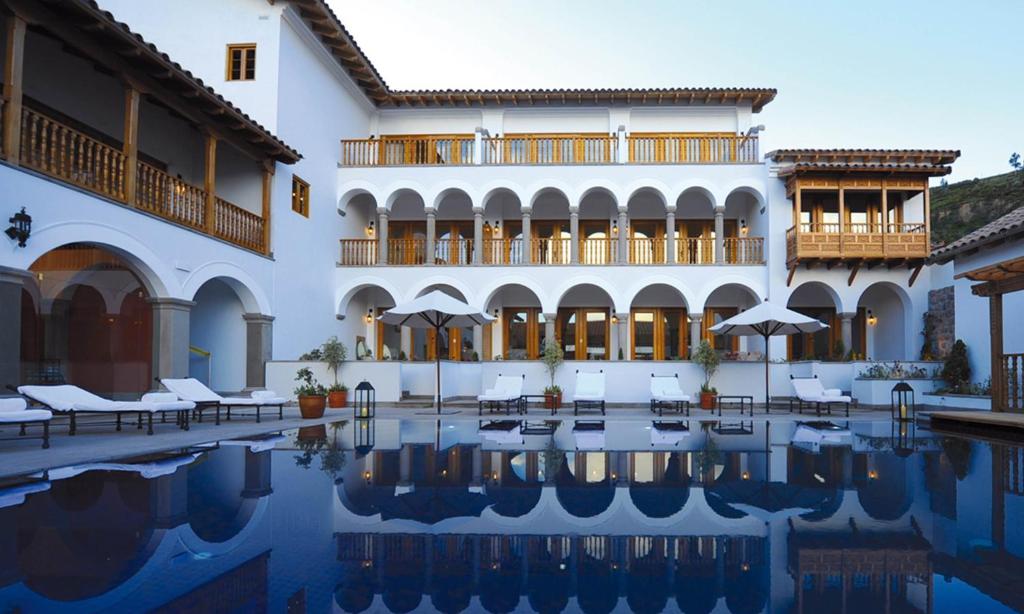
x: 405, y: 515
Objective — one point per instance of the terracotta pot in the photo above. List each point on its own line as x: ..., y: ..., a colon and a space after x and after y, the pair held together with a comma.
x: 337, y: 399
x: 313, y: 433
x: 552, y: 401
x: 312, y: 406
x: 707, y: 400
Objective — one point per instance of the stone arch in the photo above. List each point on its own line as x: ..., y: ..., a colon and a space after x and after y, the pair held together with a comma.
x: 428, y: 283
x: 891, y: 338
x: 356, y: 189
x: 698, y: 188
x: 555, y: 298
x: 353, y: 287
x: 547, y: 187
x: 815, y: 289
x: 753, y: 289
x: 404, y: 189
x: 597, y: 186
x: 651, y: 186
x: 253, y: 298
x: 491, y: 290
x: 495, y: 188
x: 449, y: 189
x: 684, y: 292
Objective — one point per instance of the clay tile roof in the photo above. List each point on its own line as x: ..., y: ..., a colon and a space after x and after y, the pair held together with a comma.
x: 325, y: 24
x: 1008, y: 226
x: 919, y: 161
x: 100, y: 25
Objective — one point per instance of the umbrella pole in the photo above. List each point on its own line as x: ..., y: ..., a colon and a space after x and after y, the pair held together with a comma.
x: 437, y: 365
x: 767, y: 398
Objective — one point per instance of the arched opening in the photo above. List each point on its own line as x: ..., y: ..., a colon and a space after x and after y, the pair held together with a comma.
x: 597, y: 575
x: 647, y: 584
x: 549, y: 227
x: 725, y: 302
x: 583, y: 323
x: 743, y: 213
x: 501, y: 572
x: 367, y: 337
x: 695, y: 227
x: 453, y: 228
x: 885, y: 313
x: 454, y: 343
x: 503, y: 228
x: 646, y: 232
x: 583, y: 484
x: 696, y: 581
x: 659, y: 324
x: 598, y: 215
x: 92, y: 326
x: 407, y: 228
x: 520, y: 331
x: 817, y: 300
x: 548, y: 578
x: 883, y: 485
x: 660, y: 485
x: 217, y: 337
x: 217, y: 511
x: 359, y: 233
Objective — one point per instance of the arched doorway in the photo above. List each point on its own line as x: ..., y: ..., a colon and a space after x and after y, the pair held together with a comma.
x: 217, y: 333
x: 817, y: 300
x: 885, y: 307
x: 452, y: 344
x: 659, y: 324
x: 583, y: 324
x: 520, y: 331
x: 723, y: 303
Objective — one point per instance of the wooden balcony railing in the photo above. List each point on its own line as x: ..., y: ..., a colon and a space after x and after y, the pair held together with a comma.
x: 406, y: 251
x: 646, y: 250
x: 359, y: 252
x: 744, y: 250
x: 550, y: 149
x: 1011, y: 371
x: 412, y: 150
x: 551, y: 251
x: 453, y: 251
x: 67, y: 154
x: 695, y: 250
x: 824, y: 241
x: 599, y: 250
x: 60, y: 151
x: 692, y: 148
x: 503, y: 251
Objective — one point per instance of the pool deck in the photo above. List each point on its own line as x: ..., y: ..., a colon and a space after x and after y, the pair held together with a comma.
x: 101, y: 443
x: 1001, y: 426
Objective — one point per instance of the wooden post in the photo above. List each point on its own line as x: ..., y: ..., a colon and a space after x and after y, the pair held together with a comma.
x: 995, y: 323
x: 267, y: 184
x: 927, y: 218
x: 842, y: 228
x: 13, y: 73
x: 885, y: 208
x: 796, y: 208
x: 132, y: 99
x: 210, y: 181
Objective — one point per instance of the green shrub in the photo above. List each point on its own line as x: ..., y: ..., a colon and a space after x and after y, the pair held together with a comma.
x: 956, y: 372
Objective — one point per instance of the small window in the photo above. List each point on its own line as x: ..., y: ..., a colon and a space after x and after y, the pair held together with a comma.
x: 241, y: 62
x: 300, y: 196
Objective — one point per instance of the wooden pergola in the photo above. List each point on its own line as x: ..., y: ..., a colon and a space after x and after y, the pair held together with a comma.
x: 995, y: 280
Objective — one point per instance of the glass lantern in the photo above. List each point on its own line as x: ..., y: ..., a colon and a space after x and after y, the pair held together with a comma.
x: 365, y: 405
x: 364, y: 436
x: 902, y: 406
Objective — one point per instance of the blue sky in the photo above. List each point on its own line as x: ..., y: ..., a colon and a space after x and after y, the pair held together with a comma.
x: 901, y: 73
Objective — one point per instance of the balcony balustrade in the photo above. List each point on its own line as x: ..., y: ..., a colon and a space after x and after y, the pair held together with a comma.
x: 856, y: 241
x: 550, y: 149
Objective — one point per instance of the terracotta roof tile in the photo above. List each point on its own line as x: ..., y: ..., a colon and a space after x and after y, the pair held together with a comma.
x: 1010, y: 225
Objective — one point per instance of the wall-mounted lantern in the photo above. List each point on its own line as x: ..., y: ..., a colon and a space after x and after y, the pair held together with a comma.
x: 369, y: 316
x: 872, y: 318
x: 21, y: 227
x: 370, y: 229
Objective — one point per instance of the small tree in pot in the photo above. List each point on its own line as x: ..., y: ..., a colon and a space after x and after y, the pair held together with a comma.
x: 334, y: 353
x: 552, y: 357
x: 312, y: 395
x: 708, y: 359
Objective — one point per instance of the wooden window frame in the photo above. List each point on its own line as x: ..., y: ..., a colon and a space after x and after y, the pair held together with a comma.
x: 581, y: 341
x: 300, y: 204
x: 660, y: 314
x: 245, y: 60
x: 532, y: 331
x: 733, y: 342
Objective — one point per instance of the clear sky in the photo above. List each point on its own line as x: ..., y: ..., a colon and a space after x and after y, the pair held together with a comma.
x: 863, y: 73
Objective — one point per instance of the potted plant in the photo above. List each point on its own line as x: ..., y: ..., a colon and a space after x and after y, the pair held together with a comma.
x: 552, y: 357
x: 312, y: 395
x: 708, y: 359
x: 334, y: 353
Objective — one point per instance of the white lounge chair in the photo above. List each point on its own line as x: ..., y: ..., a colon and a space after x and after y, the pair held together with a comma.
x: 814, y: 435
x: 589, y: 435
x: 13, y: 496
x: 589, y: 392
x: 810, y: 391
x: 666, y: 393
x: 72, y: 400
x: 195, y: 391
x: 502, y: 432
x: 668, y: 433
x: 13, y: 411
x: 507, y: 392
x: 147, y: 470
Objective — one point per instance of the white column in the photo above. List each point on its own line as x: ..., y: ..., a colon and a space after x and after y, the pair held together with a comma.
x: 623, y: 146
x: 430, y: 256
x: 719, y: 235
x: 623, y: 244
x: 11, y: 283
x: 574, y: 234
x: 695, y: 320
x: 478, y: 146
x: 670, y: 236
x: 478, y: 235
x: 623, y: 336
x: 527, y: 248
x: 170, y: 337
x: 549, y: 327
x: 478, y: 340
x: 846, y: 327
x: 405, y: 345
x: 259, y: 344
x: 382, y: 236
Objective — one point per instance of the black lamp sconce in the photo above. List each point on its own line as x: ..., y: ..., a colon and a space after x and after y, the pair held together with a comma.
x: 21, y: 227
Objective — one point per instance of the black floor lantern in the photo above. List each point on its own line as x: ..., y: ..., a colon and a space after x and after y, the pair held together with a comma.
x: 364, y: 436
x: 365, y: 405
x: 903, y: 437
x: 902, y: 405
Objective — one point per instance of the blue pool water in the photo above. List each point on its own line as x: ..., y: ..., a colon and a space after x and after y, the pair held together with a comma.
x: 462, y: 515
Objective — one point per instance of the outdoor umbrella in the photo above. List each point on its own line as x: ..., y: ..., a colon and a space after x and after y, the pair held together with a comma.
x: 767, y: 320
x: 435, y: 310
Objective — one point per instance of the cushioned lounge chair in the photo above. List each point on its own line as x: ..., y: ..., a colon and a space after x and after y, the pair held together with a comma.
x: 666, y: 394
x: 589, y: 392
x: 809, y: 391
x: 14, y: 411
x: 589, y: 435
x: 191, y: 389
x: 668, y: 433
x: 507, y: 393
x: 502, y: 431
x: 74, y: 401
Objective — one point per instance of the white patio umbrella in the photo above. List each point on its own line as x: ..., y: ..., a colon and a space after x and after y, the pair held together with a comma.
x: 767, y: 320
x: 435, y: 310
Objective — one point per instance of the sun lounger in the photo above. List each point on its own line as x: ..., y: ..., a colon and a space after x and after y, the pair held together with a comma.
x: 666, y: 394
x: 589, y: 392
x: 813, y: 435
x: 507, y: 393
x: 12, y: 496
x: 13, y: 411
x: 810, y: 391
x: 147, y: 470
x: 589, y: 435
x: 73, y: 401
x: 502, y: 431
x: 191, y: 389
x: 259, y: 443
x: 668, y: 433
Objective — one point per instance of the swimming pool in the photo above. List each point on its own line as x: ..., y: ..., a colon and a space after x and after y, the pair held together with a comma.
x: 501, y: 516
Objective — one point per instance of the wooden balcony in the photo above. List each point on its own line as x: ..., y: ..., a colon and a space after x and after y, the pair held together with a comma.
x: 550, y: 149
x: 812, y: 242
x: 64, y: 153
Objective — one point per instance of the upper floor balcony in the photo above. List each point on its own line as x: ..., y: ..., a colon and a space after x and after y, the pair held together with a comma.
x: 97, y: 108
x: 550, y: 149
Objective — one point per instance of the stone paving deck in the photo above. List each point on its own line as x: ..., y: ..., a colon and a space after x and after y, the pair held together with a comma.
x: 980, y: 418
x: 102, y: 443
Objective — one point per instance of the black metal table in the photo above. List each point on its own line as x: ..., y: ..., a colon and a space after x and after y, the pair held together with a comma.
x: 743, y: 399
x: 524, y: 403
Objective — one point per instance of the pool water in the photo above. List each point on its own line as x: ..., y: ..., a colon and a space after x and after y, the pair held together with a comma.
x: 547, y: 516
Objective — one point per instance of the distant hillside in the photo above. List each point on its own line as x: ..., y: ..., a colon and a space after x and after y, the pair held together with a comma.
x: 959, y: 208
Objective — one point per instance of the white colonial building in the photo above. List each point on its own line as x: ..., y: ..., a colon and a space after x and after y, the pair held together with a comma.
x: 172, y: 228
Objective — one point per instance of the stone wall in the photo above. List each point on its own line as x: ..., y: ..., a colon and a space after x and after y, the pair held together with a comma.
x: 940, y: 320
